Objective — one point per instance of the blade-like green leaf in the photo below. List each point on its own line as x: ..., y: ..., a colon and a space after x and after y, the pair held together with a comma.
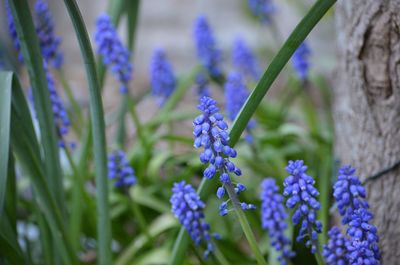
x: 5, y: 114
x: 34, y: 63
x: 27, y: 151
x: 295, y: 39
x: 99, y: 140
x: 9, y: 247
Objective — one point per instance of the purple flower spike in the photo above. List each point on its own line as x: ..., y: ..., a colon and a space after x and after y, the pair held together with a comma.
x: 120, y: 170
x: 301, y: 193
x: 210, y: 132
x: 335, y: 252
x: 162, y: 77
x: 188, y: 208
x: 115, y: 55
x: 273, y: 218
x: 207, y: 51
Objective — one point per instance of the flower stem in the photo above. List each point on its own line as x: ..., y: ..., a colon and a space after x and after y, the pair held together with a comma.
x: 245, y: 225
x: 319, y: 258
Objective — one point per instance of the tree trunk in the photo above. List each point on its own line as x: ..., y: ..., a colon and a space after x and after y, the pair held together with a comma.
x: 367, y: 108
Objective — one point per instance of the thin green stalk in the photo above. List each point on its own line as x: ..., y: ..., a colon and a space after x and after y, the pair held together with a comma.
x: 285, y: 53
x: 120, y: 135
x: 99, y: 140
x: 5, y: 121
x: 76, y: 209
x: 319, y: 258
x: 220, y: 257
x: 245, y: 225
x: 140, y: 217
x: 71, y: 98
x: 295, y: 39
x: 133, y: 11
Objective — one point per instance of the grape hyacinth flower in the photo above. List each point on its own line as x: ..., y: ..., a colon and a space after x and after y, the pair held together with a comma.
x: 60, y: 115
x: 49, y: 43
x: 207, y: 51
x: 236, y: 94
x: 301, y: 61
x: 113, y: 52
x: 13, y: 32
x: 262, y: 9
x: 301, y: 193
x: 273, y: 218
x: 162, y: 79
x: 188, y: 208
x: 349, y: 193
x: 244, y: 60
x: 202, y: 88
x: 120, y: 169
x: 210, y: 132
x: 363, y: 245
x: 335, y: 252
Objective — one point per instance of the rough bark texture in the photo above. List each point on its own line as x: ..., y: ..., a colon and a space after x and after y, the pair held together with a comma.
x: 367, y: 107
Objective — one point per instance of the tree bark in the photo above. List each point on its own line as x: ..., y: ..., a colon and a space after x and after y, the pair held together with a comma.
x: 367, y: 108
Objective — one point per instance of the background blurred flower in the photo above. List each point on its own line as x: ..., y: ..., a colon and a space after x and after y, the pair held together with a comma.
x: 115, y: 55
x: 162, y: 79
x: 207, y: 51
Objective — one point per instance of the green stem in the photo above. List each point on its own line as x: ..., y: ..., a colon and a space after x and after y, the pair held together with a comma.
x: 99, y: 140
x: 75, y: 106
x: 76, y: 209
x: 220, y: 257
x: 245, y: 224
x: 319, y: 258
x: 140, y: 217
x: 120, y: 135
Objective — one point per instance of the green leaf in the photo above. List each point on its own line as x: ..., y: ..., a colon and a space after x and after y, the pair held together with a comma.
x: 27, y: 151
x: 9, y: 247
x: 160, y: 225
x: 5, y: 115
x: 34, y: 63
x: 99, y: 140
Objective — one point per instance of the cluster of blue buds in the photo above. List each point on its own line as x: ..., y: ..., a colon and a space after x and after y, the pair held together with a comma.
x: 13, y: 32
x: 207, y: 51
x: 113, y: 52
x: 120, y: 169
x: 210, y: 132
x: 49, y: 43
x: 363, y: 244
x: 201, y: 86
x: 335, y: 252
x: 236, y: 94
x: 273, y: 218
x: 244, y: 60
x: 188, y: 208
x: 349, y: 193
x: 162, y: 79
x: 299, y: 187
x: 262, y: 9
x: 301, y: 61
